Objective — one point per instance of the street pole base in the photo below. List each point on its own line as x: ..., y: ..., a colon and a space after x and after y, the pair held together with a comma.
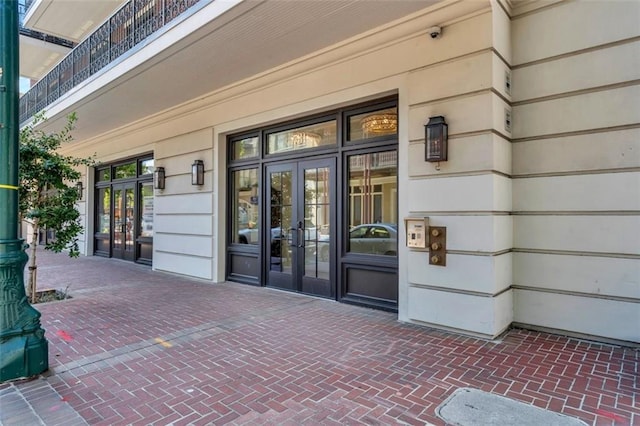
x: 24, y: 356
x: 23, y: 348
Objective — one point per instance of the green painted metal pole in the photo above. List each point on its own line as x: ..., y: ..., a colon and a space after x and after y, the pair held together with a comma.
x: 23, y: 348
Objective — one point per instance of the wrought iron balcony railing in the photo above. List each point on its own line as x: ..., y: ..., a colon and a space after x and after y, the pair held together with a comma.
x: 132, y: 23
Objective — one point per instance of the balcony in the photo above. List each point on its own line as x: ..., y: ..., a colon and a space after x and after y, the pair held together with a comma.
x: 130, y: 25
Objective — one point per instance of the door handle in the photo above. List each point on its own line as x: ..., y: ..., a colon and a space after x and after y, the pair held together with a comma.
x: 300, y: 234
x: 299, y: 231
x: 290, y: 237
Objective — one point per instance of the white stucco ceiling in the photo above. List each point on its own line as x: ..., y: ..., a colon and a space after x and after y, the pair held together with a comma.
x: 69, y: 19
x: 37, y: 57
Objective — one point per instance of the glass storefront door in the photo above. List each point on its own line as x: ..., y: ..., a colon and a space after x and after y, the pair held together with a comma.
x: 301, y: 206
x: 124, y: 200
x: 313, y: 205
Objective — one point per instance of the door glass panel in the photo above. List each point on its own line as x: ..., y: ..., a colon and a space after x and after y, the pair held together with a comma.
x: 118, y: 219
x: 316, y: 222
x: 146, y: 209
x: 129, y: 218
x: 315, y: 135
x: 104, y: 210
x: 373, y: 227
x: 245, y: 207
x: 281, y: 222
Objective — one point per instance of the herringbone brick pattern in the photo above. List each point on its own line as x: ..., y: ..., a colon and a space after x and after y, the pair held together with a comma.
x: 138, y: 347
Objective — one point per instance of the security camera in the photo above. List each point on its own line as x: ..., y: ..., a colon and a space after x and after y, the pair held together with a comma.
x: 435, y: 32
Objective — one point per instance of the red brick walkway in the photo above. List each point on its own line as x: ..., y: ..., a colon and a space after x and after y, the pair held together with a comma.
x: 138, y: 347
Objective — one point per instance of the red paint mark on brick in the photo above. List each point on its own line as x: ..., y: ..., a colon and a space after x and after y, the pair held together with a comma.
x: 64, y: 335
x: 609, y: 414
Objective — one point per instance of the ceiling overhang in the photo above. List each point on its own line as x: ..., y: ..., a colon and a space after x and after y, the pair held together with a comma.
x: 69, y: 19
x: 37, y: 57
x: 218, y: 44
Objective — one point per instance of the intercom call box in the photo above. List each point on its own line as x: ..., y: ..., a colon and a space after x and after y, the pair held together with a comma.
x: 417, y: 230
x: 421, y: 236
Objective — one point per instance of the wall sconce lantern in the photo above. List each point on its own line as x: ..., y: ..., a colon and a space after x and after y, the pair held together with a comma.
x: 80, y: 189
x: 436, y: 136
x: 158, y: 178
x: 197, y: 173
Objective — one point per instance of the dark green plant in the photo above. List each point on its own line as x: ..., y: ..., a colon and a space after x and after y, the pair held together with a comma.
x: 48, y: 192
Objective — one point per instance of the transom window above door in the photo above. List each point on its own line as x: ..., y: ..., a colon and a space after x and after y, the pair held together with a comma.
x: 373, y: 124
x: 312, y: 136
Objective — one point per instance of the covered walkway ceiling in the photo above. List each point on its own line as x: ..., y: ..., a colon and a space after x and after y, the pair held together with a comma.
x: 211, y: 49
x: 69, y: 19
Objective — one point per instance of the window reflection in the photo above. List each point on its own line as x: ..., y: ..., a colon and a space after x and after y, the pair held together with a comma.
x: 245, y: 148
x: 373, y: 124
x: 281, y: 221
x: 146, y: 209
x: 146, y: 167
x: 104, y: 175
x: 104, y: 210
x: 317, y: 214
x: 125, y: 171
x: 373, y: 192
x: 315, y: 135
x: 245, y: 207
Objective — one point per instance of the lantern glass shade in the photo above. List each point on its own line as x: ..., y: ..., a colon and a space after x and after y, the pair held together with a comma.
x: 436, y: 138
x: 158, y: 178
x: 80, y: 189
x: 197, y: 173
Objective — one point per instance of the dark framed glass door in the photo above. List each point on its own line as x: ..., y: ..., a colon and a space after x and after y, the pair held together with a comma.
x: 124, y: 227
x: 123, y: 221
x: 300, y: 244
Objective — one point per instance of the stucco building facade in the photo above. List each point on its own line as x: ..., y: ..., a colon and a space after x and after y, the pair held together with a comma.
x: 540, y: 194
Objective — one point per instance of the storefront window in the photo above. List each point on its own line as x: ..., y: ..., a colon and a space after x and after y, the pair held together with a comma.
x: 245, y: 148
x: 146, y: 209
x: 313, y: 136
x: 104, y: 175
x: 146, y: 166
x: 245, y: 207
x: 373, y: 189
x: 104, y: 210
x: 125, y: 171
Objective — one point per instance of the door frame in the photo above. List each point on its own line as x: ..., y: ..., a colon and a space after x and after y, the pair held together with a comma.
x: 103, y: 244
x: 297, y: 235
x: 352, y: 272
x: 126, y: 252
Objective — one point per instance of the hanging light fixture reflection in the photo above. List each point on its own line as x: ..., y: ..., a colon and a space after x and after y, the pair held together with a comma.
x: 302, y: 139
x: 380, y: 123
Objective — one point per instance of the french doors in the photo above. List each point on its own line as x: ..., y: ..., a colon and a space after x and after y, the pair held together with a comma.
x: 300, y: 241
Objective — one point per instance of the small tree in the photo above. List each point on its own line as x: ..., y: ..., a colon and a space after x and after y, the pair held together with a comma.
x: 48, y: 194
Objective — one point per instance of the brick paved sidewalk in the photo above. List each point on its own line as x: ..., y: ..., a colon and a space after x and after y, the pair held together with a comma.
x: 135, y: 346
